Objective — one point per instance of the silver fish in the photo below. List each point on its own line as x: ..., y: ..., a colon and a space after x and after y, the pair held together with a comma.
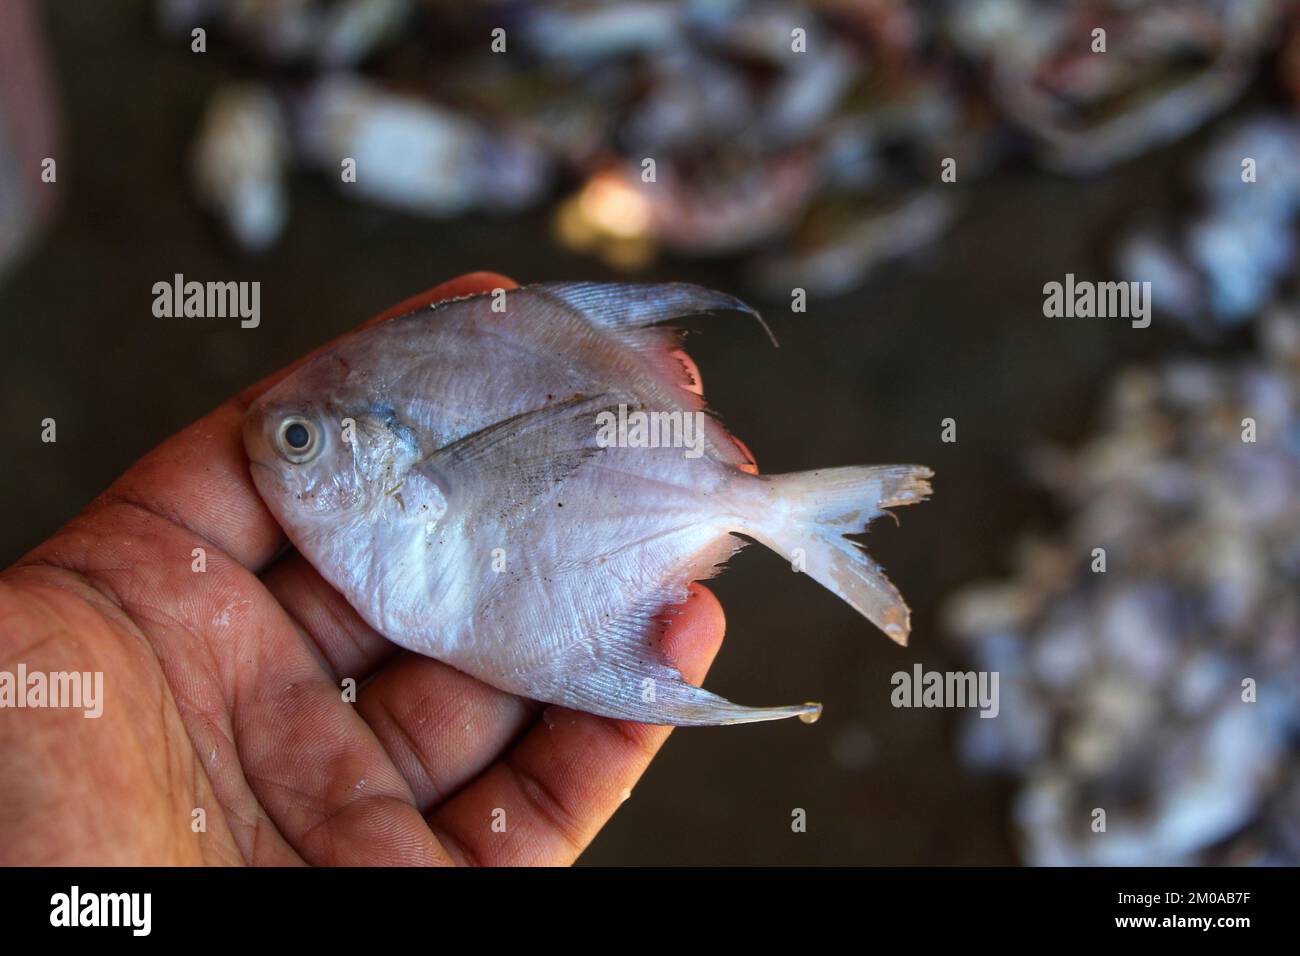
x: 457, y: 474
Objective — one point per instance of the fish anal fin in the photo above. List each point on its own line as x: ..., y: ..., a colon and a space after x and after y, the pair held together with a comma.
x: 640, y: 685
x: 623, y: 672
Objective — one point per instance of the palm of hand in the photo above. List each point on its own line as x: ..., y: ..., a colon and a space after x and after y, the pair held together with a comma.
x: 225, y: 735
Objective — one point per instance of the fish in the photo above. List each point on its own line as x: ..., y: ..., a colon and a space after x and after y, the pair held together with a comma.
x: 475, y: 478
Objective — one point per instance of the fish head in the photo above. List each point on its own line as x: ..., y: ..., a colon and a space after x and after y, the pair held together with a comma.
x: 321, y: 453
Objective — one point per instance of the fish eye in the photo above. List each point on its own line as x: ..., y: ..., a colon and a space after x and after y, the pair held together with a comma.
x: 297, y: 436
x: 299, y: 439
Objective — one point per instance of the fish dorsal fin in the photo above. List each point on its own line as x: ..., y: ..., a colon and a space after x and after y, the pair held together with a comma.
x: 523, y: 458
x: 628, y: 306
x: 630, y: 311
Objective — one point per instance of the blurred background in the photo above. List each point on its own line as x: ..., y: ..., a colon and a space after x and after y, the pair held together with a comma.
x: 795, y: 145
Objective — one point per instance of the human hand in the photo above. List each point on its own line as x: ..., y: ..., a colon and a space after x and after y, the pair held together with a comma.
x: 222, y: 695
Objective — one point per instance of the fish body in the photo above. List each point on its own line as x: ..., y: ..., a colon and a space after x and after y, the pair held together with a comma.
x: 466, y: 476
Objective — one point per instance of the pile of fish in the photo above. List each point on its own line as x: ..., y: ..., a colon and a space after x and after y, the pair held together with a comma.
x: 28, y: 132
x: 1225, y: 260
x: 1150, y: 655
x: 808, y: 139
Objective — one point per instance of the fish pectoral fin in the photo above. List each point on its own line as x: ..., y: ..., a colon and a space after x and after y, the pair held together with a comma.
x: 524, y: 454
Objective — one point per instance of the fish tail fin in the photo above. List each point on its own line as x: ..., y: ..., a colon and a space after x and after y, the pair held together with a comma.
x: 812, y: 511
